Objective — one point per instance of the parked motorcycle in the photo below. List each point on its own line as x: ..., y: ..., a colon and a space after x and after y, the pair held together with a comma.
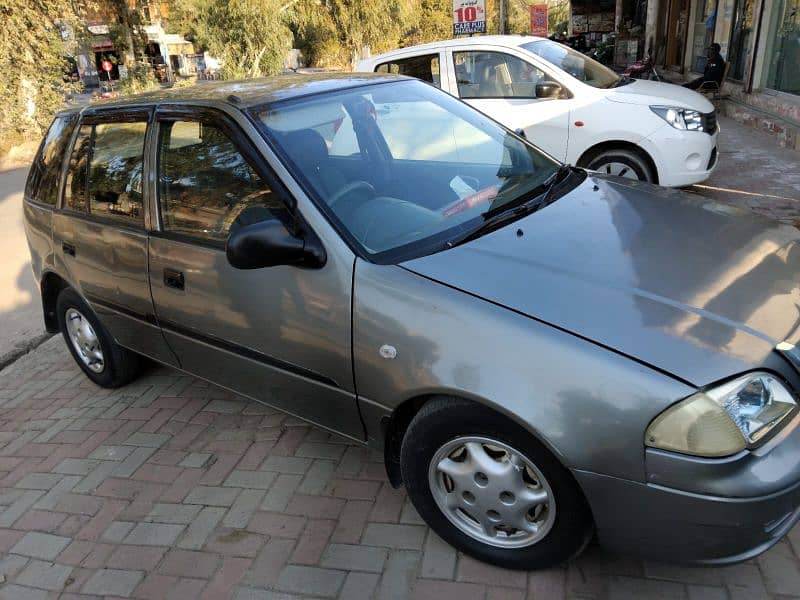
x: 643, y: 69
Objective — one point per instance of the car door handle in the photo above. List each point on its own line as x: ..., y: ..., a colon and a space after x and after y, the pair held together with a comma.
x: 68, y: 248
x: 173, y: 279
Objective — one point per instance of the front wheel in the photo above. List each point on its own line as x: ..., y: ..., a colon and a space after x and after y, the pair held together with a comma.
x: 491, y: 489
x: 620, y: 162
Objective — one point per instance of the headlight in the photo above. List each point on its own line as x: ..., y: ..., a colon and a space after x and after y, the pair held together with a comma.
x: 723, y: 420
x: 680, y: 118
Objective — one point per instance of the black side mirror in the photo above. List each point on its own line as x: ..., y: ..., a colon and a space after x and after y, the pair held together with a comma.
x: 269, y: 243
x: 548, y: 89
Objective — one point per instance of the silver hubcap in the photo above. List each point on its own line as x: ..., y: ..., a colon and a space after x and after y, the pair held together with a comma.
x: 492, y: 492
x: 85, y: 340
x: 619, y: 169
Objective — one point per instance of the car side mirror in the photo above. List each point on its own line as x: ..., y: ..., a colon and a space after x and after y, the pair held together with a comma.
x: 548, y: 89
x: 269, y: 243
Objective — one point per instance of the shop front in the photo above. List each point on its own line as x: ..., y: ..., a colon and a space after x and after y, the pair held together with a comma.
x: 760, y: 39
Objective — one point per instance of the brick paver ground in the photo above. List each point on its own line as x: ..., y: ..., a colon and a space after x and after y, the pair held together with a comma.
x: 171, y: 487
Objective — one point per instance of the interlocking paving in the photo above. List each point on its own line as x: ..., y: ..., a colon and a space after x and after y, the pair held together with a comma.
x: 174, y: 488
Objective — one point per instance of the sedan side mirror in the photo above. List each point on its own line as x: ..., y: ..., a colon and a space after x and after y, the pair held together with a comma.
x: 548, y: 89
x: 269, y: 243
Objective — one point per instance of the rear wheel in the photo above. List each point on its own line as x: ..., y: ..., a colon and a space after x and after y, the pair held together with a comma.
x: 620, y: 162
x: 491, y: 489
x: 103, y: 360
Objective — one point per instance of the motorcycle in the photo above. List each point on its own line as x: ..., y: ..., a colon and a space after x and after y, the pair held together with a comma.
x: 643, y: 69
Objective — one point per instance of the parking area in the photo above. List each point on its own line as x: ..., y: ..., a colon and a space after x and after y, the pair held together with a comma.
x: 174, y: 488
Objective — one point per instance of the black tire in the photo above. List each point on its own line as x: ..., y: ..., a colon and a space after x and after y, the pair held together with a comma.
x: 120, y: 364
x: 444, y: 419
x: 599, y: 161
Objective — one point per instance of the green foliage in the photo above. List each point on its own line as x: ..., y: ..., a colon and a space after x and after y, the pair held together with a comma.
x: 32, y: 65
x: 250, y: 37
x: 140, y: 79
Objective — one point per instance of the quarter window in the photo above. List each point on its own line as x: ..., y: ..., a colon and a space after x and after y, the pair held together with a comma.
x: 495, y: 75
x: 44, y: 175
x: 75, y: 186
x: 115, y: 172
x: 424, y: 67
x: 206, y: 186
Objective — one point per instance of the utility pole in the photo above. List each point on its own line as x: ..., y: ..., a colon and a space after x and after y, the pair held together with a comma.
x: 502, y: 26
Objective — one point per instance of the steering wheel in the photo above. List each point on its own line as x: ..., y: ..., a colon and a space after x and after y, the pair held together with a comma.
x: 346, y: 190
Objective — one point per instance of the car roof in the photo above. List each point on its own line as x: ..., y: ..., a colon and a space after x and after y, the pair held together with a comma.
x: 486, y: 40
x: 246, y: 93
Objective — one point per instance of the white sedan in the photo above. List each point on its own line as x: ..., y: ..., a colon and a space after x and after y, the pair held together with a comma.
x: 578, y: 110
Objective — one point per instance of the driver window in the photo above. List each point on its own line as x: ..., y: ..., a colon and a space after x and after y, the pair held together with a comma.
x: 206, y: 186
x: 495, y: 75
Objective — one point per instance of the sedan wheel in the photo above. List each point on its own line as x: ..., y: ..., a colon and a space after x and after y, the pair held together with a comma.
x: 617, y: 169
x: 488, y: 487
x: 620, y: 162
x: 492, y: 492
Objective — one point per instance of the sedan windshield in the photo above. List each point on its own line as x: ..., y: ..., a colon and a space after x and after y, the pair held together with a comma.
x: 402, y: 168
x: 580, y: 66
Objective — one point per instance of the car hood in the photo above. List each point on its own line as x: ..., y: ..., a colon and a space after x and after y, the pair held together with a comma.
x: 686, y: 285
x: 655, y: 93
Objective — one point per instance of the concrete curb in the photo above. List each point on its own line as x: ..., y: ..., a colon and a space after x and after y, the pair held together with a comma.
x: 10, y: 357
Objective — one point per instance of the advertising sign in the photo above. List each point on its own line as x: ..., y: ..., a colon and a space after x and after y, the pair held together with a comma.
x: 469, y: 16
x: 539, y: 20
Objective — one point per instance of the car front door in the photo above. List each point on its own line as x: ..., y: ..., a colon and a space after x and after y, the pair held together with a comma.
x: 504, y: 87
x: 280, y: 335
x: 99, y: 231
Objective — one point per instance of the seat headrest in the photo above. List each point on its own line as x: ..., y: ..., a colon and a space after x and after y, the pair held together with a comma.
x: 306, y: 145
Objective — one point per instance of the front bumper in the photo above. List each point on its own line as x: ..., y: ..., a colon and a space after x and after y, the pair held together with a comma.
x: 701, y: 511
x: 671, y: 525
x: 682, y: 157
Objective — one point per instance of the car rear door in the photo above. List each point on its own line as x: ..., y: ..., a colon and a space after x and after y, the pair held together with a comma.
x: 100, y: 237
x: 502, y: 84
x: 280, y: 335
x: 427, y: 66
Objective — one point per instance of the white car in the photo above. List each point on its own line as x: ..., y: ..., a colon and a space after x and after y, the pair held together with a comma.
x: 571, y: 106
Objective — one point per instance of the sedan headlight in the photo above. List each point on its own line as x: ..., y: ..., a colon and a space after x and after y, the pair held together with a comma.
x: 680, y: 118
x: 723, y: 420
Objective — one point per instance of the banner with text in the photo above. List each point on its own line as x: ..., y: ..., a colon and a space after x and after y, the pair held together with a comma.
x: 539, y: 20
x: 469, y: 16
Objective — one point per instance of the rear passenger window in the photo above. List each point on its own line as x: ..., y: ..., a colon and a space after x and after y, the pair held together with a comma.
x: 75, y: 185
x: 115, y: 172
x: 206, y: 187
x: 422, y: 67
x: 45, y: 171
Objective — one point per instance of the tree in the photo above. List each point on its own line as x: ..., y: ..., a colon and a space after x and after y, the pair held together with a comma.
x: 250, y: 37
x: 33, y: 65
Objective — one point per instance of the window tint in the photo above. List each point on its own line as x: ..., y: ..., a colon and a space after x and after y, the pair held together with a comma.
x: 206, y: 187
x: 495, y: 75
x: 44, y: 175
x: 115, y: 172
x: 422, y: 67
x: 75, y: 186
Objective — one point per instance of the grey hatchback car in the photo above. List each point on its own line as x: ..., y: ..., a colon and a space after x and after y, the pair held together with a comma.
x: 542, y: 353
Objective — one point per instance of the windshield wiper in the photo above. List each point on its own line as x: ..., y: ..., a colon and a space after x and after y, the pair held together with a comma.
x: 540, y: 196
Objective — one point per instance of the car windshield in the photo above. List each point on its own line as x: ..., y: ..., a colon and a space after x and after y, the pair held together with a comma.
x: 580, y: 66
x: 402, y: 168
